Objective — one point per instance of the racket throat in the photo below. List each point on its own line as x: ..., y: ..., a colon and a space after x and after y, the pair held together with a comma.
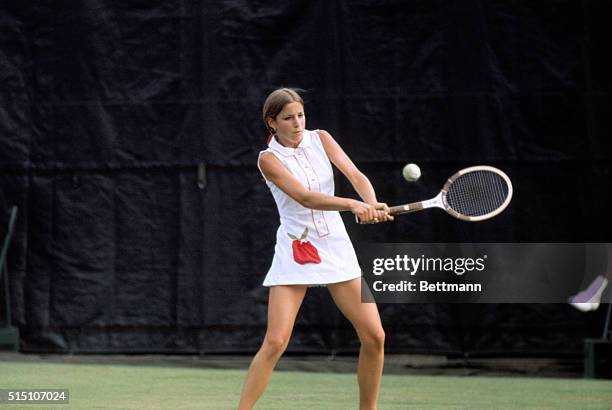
x: 436, y: 202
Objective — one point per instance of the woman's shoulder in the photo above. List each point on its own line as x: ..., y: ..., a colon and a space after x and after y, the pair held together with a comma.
x: 325, y: 139
x: 268, y: 163
x: 322, y: 135
x: 266, y: 153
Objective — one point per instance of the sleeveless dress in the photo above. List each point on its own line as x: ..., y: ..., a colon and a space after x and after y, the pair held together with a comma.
x: 312, y: 246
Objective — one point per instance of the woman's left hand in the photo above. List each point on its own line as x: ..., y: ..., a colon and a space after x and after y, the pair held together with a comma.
x: 382, y: 210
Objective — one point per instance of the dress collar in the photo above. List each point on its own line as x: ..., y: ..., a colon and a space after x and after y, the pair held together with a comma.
x: 286, y: 151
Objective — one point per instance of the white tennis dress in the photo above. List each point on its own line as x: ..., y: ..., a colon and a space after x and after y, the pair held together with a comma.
x: 326, y: 232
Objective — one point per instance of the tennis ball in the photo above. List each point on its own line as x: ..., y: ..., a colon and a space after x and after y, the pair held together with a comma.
x: 411, y: 172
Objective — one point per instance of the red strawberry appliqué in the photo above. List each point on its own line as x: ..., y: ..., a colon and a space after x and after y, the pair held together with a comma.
x: 303, y: 250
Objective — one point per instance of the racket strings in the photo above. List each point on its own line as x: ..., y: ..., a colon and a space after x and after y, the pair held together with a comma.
x: 477, y: 193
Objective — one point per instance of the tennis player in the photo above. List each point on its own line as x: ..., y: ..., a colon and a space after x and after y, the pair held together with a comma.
x: 312, y: 245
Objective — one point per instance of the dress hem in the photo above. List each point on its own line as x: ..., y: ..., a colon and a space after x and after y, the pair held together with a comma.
x: 313, y: 284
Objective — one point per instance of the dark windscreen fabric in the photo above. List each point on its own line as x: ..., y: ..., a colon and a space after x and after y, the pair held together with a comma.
x: 108, y: 108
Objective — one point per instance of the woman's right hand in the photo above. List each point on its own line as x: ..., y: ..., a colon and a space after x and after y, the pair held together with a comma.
x: 367, y: 214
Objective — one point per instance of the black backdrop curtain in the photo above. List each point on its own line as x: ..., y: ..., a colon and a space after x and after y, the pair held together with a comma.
x: 107, y: 109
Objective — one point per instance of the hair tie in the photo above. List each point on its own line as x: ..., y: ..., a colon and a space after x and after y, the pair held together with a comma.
x: 269, y: 139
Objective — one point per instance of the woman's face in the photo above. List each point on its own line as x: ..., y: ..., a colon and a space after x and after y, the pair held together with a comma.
x: 290, y: 122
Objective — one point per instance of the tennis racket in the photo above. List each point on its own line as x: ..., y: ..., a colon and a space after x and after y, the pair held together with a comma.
x: 471, y: 194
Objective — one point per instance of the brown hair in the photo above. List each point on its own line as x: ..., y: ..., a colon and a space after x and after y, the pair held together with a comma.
x: 277, y: 100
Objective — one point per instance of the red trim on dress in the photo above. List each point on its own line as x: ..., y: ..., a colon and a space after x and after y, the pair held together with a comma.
x: 312, y: 210
x: 298, y: 162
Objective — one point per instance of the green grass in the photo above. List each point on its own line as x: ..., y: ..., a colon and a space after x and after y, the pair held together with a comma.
x: 149, y: 387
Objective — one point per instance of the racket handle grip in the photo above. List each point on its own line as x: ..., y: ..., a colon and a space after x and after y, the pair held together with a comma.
x: 404, y: 209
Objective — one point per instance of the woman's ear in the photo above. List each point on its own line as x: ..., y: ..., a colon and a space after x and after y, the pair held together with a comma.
x: 270, y: 123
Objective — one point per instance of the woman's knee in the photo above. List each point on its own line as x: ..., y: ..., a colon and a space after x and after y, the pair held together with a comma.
x: 373, y: 339
x: 275, y: 345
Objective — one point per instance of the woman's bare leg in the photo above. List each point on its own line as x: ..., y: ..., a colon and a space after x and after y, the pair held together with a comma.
x: 366, y: 320
x: 283, y: 305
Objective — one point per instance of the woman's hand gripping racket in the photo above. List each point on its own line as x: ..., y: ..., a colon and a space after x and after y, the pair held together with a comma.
x: 472, y: 194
